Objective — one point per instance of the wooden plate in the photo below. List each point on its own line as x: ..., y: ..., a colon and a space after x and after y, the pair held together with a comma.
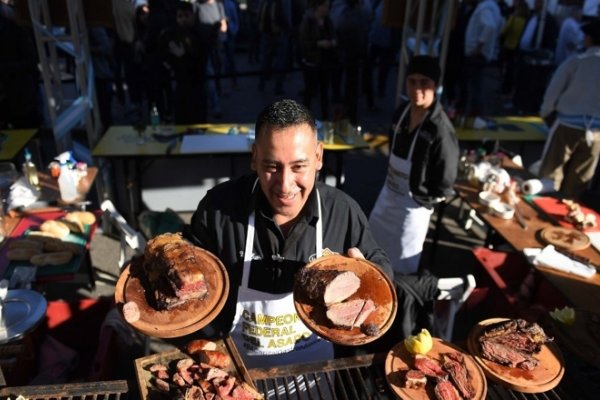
x: 399, y: 360
x: 143, y: 375
x: 375, y: 285
x: 583, y: 337
x: 542, y: 378
x: 181, y: 320
x: 566, y: 238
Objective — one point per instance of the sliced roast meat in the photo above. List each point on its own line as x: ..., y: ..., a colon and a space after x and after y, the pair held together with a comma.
x: 327, y: 286
x: 532, y: 331
x: 350, y: 314
x: 414, y: 379
x: 445, y: 390
x: 193, y: 393
x: 429, y: 367
x: 454, y: 363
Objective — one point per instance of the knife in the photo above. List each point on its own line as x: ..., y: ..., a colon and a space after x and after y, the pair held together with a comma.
x: 519, y: 216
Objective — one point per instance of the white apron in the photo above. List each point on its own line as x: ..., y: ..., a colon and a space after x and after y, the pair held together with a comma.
x: 266, y: 328
x: 399, y: 224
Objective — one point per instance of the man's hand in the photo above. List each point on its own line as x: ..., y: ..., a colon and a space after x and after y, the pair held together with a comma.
x: 176, y: 49
x: 354, y: 252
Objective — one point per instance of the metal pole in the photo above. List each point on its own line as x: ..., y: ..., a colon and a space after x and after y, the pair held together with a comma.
x: 450, y: 7
x: 403, y: 53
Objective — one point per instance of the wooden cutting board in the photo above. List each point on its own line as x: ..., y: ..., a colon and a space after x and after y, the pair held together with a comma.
x: 183, y: 319
x: 399, y: 360
x: 542, y: 378
x: 567, y: 238
x: 583, y: 337
x: 143, y: 375
x: 375, y: 285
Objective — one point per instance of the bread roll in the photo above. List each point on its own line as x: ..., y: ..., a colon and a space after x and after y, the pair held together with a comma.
x: 55, y: 228
x: 58, y: 258
x: 22, y: 253
x: 195, y: 346
x: 56, y: 245
x: 41, y: 236
x: 79, y: 220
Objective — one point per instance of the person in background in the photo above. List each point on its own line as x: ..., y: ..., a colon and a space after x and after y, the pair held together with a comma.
x: 124, y: 23
x: 384, y: 43
x: 481, y: 51
x: 101, y: 51
x: 510, y: 36
x: 185, y: 49
x: 421, y: 170
x: 319, y: 54
x: 570, y: 38
x: 233, y: 27
x: 571, y: 108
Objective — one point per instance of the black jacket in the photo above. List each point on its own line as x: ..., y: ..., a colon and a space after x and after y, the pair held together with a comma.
x: 435, y: 156
x: 220, y: 225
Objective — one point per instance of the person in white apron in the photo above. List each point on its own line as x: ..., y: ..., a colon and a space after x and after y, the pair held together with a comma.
x: 265, y: 226
x: 421, y: 170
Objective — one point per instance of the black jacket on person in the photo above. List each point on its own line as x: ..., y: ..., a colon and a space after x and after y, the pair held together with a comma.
x: 219, y: 225
x: 435, y: 155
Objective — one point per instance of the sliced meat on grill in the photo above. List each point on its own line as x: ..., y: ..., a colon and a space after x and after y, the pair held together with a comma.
x: 429, y: 367
x: 518, y: 341
x: 224, y: 387
x: 215, y: 358
x: 350, y: 313
x: 506, y: 355
x: 454, y: 364
x: 161, y: 384
x: 414, y: 379
x: 193, y: 393
x: 327, y: 286
x: 445, y: 390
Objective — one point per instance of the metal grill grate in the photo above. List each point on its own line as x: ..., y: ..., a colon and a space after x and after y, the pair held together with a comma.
x: 363, y: 377
x: 108, y: 390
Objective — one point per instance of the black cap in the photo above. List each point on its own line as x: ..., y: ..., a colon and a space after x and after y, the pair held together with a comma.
x: 425, y: 65
x: 592, y: 29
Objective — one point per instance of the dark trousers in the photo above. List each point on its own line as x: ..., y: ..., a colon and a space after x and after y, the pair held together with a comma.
x: 316, y: 81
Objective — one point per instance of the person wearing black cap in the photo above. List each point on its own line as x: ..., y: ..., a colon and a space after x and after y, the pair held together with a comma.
x: 571, y: 107
x: 421, y: 171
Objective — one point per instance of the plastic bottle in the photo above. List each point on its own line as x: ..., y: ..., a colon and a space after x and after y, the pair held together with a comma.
x: 30, y: 171
x: 154, y: 118
x: 67, y: 183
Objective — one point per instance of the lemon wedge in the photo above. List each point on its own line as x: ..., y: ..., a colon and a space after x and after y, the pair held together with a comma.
x: 420, y: 343
x: 566, y: 315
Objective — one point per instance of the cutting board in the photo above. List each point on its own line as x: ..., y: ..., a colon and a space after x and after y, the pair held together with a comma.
x: 180, y: 320
x: 558, y: 211
x: 143, y: 375
x: 399, y: 360
x: 567, y: 238
x: 544, y: 377
x: 375, y: 285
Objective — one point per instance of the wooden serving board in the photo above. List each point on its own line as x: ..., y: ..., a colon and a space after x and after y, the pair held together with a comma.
x: 566, y: 238
x: 183, y: 319
x: 143, y: 375
x: 375, y: 285
x: 583, y: 337
x: 542, y: 378
x: 399, y: 360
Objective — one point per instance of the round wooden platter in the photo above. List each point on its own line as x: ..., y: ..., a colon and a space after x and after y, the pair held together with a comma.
x: 583, y: 337
x: 399, y: 360
x: 566, y: 238
x: 375, y: 285
x: 183, y: 319
x: 542, y: 378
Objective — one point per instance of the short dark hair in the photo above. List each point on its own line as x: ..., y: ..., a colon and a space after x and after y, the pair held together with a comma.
x: 592, y: 29
x: 184, y: 6
x: 284, y: 113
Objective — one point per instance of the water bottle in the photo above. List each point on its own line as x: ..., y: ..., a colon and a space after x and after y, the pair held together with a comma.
x: 154, y: 118
x: 67, y: 184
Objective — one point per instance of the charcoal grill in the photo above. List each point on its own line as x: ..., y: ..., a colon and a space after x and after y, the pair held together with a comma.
x: 363, y: 377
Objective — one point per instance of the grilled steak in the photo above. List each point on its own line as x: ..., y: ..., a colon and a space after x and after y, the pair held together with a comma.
x: 429, y: 367
x: 454, y: 363
x: 350, y: 313
x: 513, y: 343
x: 173, y: 267
x: 505, y: 355
x: 445, y: 390
x: 414, y: 379
x: 327, y: 286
